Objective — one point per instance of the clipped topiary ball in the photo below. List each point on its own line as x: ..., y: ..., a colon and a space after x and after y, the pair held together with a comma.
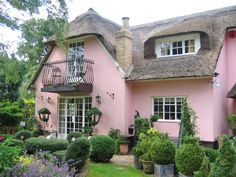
x: 77, y: 152
x: 23, y: 135
x: 103, y: 148
x: 72, y: 135
x: 189, y: 157
x: 164, y: 152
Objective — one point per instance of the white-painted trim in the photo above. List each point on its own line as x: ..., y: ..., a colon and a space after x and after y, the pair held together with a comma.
x: 195, y: 36
x: 171, y: 96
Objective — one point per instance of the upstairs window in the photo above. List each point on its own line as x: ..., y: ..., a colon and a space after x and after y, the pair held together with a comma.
x: 76, y: 50
x: 179, y: 45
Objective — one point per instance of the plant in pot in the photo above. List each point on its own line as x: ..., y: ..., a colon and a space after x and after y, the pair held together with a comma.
x: 147, y: 162
x: 232, y: 123
x: 124, y: 145
x: 137, y: 154
x: 164, y: 158
x: 189, y: 157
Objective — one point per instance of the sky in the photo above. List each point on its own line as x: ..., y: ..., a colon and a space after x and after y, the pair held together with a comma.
x: 139, y: 11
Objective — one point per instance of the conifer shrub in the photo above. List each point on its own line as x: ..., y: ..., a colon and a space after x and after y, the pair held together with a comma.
x: 212, y: 154
x: 103, y: 148
x: 224, y: 164
x: 74, y: 135
x: 23, y: 135
x: 189, y: 156
x: 163, y: 152
x: 77, y: 153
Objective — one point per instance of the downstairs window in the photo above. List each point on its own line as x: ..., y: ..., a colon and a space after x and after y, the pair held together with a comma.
x: 168, y: 108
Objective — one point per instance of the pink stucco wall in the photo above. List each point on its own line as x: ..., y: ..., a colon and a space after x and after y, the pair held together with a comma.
x: 230, y: 44
x: 199, y: 93
x: 107, y: 79
x: 41, y: 97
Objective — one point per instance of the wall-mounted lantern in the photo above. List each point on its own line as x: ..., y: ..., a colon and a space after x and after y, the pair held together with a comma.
x: 49, y: 100
x: 44, y: 114
x: 98, y: 99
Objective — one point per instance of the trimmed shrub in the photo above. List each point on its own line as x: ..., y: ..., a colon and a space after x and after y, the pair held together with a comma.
x: 73, y: 135
x: 224, y: 164
x: 16, y: 142
x: 23, y: 135
x: 33, y: 145
x: 163, y: 152
x: 212, y: 154
x: 78, y: 152
x: 189, y: 156
x: 7, y: 136
x: 59, y: 155
x: 141, y: 126
x: 103, y: 148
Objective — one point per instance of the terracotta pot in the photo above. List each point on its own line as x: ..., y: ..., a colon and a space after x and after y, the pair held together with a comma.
x: 124, y: 149
x: 148, y: 167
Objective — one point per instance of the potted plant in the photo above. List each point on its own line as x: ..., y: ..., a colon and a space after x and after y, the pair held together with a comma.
x: 137, y: 154
x: 164, y: 157
x: 124, y: 145
x: 232, y: 123
x: 189, y: 157
x: 147, y: 162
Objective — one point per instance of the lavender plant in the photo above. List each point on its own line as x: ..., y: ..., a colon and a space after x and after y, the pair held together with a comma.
x: 39, y: 168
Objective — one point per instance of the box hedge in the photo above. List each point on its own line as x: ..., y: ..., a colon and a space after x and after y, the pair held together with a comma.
x: 23, y: 135
x: 103, y: 148
x: 33, y: 145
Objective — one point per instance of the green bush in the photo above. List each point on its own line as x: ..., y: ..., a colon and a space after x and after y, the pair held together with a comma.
x: 212, y: 154
x: 224, y: 164
x: 10, y: 113
x: 9, y: 156
x: 163, y: 152
x: 33, y: 145
x: 103, y: 148
x: 15, y: 142
x: 7, y: 136
x: 78, y: 152
x: 189, y: 156
x: 59, y: 155
x: 23, y: 135
x: 73, y: 135
x: 198, y: 174
x: 141, y: 126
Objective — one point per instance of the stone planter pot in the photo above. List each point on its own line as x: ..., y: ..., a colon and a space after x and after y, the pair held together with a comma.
x: 164, y: 170
x: 148, y: 167
x: 182, y: 175
x: 124, y: 149
x: 137, y: 163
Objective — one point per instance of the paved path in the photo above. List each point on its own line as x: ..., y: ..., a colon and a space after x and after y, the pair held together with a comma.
x: 125, y: 160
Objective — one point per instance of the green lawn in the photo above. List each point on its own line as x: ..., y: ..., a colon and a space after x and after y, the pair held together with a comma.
x: 112, y: 170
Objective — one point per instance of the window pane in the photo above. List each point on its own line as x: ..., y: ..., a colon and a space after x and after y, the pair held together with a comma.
x: 172, y: 107
x: 189, y: 46
x: 165, y: 49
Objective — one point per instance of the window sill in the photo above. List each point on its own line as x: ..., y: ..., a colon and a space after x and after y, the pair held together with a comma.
x: 169, y: 121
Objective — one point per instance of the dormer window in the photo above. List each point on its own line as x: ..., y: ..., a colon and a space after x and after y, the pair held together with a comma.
x: 178, y: 45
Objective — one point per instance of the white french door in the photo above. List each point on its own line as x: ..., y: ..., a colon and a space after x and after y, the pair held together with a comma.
x: 71, y: 114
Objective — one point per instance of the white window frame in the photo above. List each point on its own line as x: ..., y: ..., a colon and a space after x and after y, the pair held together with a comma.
x: 183, y: 38
x: 164, y: 97
x: 58, y: 113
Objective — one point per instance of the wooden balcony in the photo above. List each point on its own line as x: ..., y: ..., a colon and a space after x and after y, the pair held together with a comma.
x: 68, y: 76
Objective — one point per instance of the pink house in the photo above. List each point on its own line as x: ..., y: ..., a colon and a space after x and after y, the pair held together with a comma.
x: 149, y: 68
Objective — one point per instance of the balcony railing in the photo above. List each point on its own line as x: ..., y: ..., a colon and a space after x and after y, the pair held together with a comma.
x: 68, y: 73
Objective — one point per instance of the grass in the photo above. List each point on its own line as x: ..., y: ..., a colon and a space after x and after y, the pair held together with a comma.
x: 112, y: 170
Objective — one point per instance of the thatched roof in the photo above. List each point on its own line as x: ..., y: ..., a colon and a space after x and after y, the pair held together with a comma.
x: 232, y: 92
x: 212, y: 26
x: 91, y: 22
